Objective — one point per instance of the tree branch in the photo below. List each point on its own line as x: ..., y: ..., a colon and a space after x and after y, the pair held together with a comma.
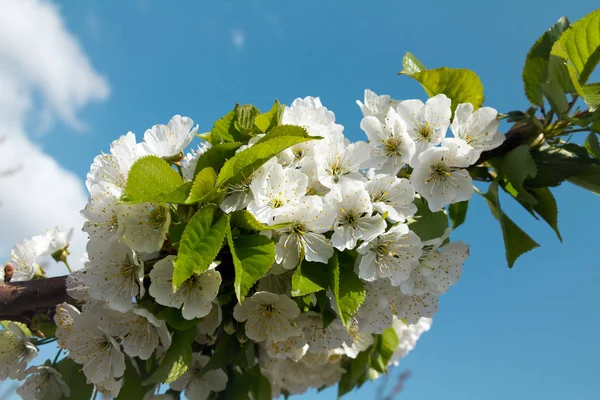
x: 19, y: 301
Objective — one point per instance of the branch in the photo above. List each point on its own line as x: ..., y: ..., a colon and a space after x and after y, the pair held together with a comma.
x: 19, y: 301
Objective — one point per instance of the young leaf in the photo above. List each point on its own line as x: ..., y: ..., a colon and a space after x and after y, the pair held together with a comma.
x: 243, y: 164
x: 458, y: 213
x: 175, y: 319
x: 253, y: 255
x: 311, y: 277
x: 245, y: 220
x: 516, y: 241
x: 535, y: 71
x: 204, y: 183
x: 426, y: 224
x: 266, y: 121
x: 384, y: 347
x: 356, y: 370
x: 181, y: 347
x: 460, y: 85
x: 201, y: 241
x: 349, y: 293
x: 245, y: 116
x: 410, y: 64
x: 223, y: 131
x: 578, y: 49
x: 286, y: 131
x: 554, y: 165
x: 216, y: 156
x: 152, y: 179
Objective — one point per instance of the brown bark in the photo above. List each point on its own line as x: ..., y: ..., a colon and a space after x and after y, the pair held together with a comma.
x: 19, y: 301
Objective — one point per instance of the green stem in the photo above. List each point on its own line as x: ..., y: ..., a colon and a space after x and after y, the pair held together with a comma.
x: 95, y: 393
x: 56, y: 358
x: 68, y: 266
x: 179, y: 169
x: 575, y: 131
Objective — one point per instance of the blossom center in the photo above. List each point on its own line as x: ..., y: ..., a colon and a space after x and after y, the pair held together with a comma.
x: 157, y: 218
x: 425, y: 132
x: 439, y: 173
x: 391, y: 147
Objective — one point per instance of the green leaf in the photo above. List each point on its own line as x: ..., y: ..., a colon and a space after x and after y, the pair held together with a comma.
x: 328, y: 314
x: 177, y: 370
x: 204, y: 183
x: 458, y: 213
x: 410, y: 64
x: 152, y: 179
x: 517, y: 166
x: 253, y: 255
x: 426, y: 224
x: 546, y: 208
x: 516, y: 241
x: 350, y: 294
x: 592, y: 145
x: 311, y: 277
x: 216, y: 156
x: 201, y: 241
x: 245, y: 115
x: 384, y: 348
x: 132, y: 383
x: 181, y: 347
x: 556, y: 97
x: 226, y: 350
x: 460, y: 85
x: 75, y: 380
x: 588, y: 178
x: 535, y: 71
x: 579, y: 46
x: 175, y: 320
x: 280, y: 131
x: 554, y: 165
x: 246, y: 220
x: 21, y: 326
x: 356, y: 370
x: 591, y: 95
x: 266, y: 121
x: 261, y: 387
x: 225, y: 131
x: 243, y: 164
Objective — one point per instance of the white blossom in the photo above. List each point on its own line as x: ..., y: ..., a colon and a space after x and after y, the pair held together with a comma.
x: 114, y: 275
x: 303, y: 238
x: 479, y: 129
x: 108, y: 173
x: 426, y: 123
x: 56, y: 240
x: 293, y: 347
x: 408, y: 334
x: 275, y: 191
x: 391, y: 146
x: 43, y: 383
x: 391, y: 255
x: 361, y: 341
x: 24, y: 258
x: 189, y: 162
x: 376, y: 313
x: 16, y: 350
x: 89, y: 339
x: 144, y: 225
x: 310, y: 114
x: 141, y: 333
x: 198, y: 385
x: 169, y: 140
x: 412, y: 308
x: 268, y: 316
x: 440, y: 177
x: 354, y: 220
x: 194, y: 296
x: 393, y: 196
x: 337, y: 161
x: 376, y: 106
x: 102, y: 220
x: 321, y: 339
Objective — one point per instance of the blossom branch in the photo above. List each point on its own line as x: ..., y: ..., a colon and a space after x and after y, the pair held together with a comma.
x: 20, y: 300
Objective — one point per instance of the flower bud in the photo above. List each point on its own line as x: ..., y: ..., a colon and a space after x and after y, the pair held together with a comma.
x: 8, y: 272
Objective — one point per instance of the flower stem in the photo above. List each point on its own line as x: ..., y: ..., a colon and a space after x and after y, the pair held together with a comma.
x: 56, y: 358
x: 68, y: 266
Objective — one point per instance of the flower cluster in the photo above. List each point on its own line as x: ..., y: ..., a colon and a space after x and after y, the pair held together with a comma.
x: 295, y: 249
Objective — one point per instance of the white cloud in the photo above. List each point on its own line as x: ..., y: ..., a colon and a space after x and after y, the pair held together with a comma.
x: 238, y: 38
x: 39, y: 58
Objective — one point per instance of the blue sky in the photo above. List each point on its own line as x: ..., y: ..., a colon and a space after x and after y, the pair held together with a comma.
x: 525, y: 333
